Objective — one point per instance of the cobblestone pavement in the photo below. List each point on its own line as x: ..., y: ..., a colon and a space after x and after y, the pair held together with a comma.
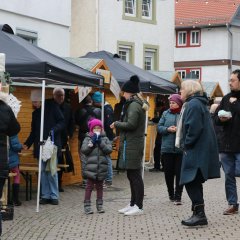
x: 161, y: 219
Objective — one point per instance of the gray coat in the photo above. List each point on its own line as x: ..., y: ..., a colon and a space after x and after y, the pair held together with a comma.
x: 199, y: 141
x: 132, y: 129
x: 96, y: 157
x: 168, y: 139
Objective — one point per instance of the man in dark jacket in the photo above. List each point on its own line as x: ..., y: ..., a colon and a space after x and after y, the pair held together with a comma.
x: 9, y: 126
x: 67, y: 132
x: 229, y: 148
x: 53, y: 122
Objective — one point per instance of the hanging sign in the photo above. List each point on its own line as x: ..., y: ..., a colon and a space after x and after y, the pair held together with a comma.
x: 105, y: 73
x: 115, y: 88
x: 83, y: 92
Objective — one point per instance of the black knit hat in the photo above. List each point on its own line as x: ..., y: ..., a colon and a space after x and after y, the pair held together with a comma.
x: 132, y: 85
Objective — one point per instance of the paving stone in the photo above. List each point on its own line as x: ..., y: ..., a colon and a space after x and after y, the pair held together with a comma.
x: 161, y: 219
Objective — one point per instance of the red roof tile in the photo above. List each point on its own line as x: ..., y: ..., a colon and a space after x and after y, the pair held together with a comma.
x: 199, y: 13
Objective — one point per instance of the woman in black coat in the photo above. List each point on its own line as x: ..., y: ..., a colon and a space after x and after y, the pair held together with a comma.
x: 196, y: 136
x: 9, y: 126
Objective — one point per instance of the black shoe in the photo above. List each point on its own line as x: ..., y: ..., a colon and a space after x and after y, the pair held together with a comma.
x: 195, y: 220
x: 61, y: 189
x: 161, y: 169
x: 54, y: 201
x: 154, y: 170
x: 44, y: 201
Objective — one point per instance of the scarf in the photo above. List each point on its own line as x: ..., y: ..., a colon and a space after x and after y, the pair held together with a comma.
x: 175, y: 110
x: 179, y: 134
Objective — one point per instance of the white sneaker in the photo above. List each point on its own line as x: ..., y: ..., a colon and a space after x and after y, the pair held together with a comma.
x: 135, y: 210
x: 124, y: 210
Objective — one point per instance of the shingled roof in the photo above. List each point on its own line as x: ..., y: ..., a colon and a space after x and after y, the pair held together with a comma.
x: 202, y: 13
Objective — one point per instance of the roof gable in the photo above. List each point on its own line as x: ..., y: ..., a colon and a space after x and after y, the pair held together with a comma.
x: 200, y: 13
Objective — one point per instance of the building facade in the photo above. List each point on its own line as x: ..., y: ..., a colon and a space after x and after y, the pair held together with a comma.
x: 45, y: 25
x: 140, y: 31
x: 207, y: 40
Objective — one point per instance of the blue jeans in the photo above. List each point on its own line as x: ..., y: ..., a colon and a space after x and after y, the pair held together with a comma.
x: 231, y: 167
x: 110, y: 170
x: 49, y: 184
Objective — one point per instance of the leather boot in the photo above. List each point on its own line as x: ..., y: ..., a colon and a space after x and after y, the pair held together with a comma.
x: 16, y: 201
x: 99, y: 205
x: 87, y: 207
x: 198, y: 217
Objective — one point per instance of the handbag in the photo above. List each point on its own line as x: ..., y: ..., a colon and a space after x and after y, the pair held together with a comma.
x: 48, y: 147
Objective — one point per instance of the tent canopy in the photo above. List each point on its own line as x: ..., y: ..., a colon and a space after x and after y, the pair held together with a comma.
x: 122, y: 71
x: 28, y: 63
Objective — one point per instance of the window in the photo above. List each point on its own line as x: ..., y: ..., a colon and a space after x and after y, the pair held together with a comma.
x: 151, y: 57
x: 182, y: 38
x: 190, y: 73
x: 140, y: 10
x: 182, y: 73
x: 188, y: 38
x: 147, y: 9
x: 30, y: 36
x: 195, y: 74
x: 195, y: 38
x: 130, y: 7
x: 126, y: 51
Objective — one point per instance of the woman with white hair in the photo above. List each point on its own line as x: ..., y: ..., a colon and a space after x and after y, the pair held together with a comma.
x: 195, y: 135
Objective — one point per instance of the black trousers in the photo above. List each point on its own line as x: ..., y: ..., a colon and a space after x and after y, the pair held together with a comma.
x: 137, y: 187
x: 157, y: 152
x: 2, y: 182
x: 195, y: 190
x: 172, y: 170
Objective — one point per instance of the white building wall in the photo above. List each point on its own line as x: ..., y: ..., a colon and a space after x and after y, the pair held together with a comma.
x: 113, y: 28
x: 51, y: 21
x: 83, y: 29
x: 236, y: 43
x: 214, y: 46
x: 217, y: 74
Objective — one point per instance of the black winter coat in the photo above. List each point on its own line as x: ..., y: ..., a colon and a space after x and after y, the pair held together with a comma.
x: 53, y: 120
x: 230, y: 140
x: 9, y: 126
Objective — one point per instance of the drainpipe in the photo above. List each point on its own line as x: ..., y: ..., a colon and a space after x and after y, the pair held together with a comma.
x: 97, y: 25
x: 231, y: 46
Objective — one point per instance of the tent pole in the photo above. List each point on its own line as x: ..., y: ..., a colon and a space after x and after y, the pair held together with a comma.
x: 102, y: 112
x: 145, y: 140
x: 41, y: 146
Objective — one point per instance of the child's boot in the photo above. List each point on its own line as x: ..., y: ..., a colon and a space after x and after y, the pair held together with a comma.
x: 99, y: 205
x: 87, y: 207
x: 15, y: 188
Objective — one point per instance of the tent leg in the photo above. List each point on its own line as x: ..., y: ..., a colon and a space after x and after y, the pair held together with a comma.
x: 41, y: 146
x: 145, y: 139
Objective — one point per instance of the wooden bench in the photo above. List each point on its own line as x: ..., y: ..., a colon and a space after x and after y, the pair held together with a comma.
x: 27, y: 170
x: 7, y: 189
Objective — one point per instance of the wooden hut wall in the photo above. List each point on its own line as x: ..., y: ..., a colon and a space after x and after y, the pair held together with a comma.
x: 25, y: 118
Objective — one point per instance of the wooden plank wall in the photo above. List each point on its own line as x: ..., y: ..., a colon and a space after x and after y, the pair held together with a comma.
x: 25, y: 118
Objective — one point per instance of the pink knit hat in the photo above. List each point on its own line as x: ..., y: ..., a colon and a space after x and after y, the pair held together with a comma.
x: 176, y: 98
x: 94, y: 122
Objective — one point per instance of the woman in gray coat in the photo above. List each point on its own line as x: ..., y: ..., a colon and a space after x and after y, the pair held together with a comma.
x: 132, y: 129
x: 196, y: 136
x: 171, y: 155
